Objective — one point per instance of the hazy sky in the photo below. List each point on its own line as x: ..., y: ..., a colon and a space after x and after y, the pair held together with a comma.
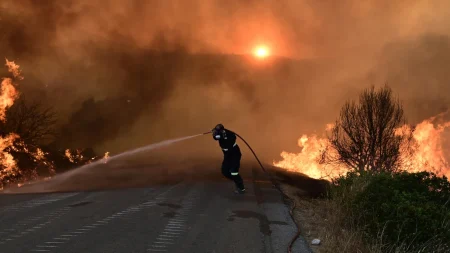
x: 95, y: 62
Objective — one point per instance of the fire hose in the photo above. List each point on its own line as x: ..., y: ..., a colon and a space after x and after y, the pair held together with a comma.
x: 278, y: 187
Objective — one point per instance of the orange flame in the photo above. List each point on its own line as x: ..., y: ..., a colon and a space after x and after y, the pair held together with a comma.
x: 9, y: 93
x: 39, y: 155
x: 428, y: 152
x: 74, y: 158
x: 330, y: 126
x: 69, y: 156
x: 307, y: 161
x: 7, y: 97
x: 7, y: 162
x: 105, y: 158
x: 9, y: 171
x: 14, y: 69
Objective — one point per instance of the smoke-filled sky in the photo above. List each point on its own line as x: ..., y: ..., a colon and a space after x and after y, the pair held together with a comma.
x: 125, y: 73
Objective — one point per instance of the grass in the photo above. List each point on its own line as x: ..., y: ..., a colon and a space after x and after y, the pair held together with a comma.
x: 322, y: 219
x: 328, y: 220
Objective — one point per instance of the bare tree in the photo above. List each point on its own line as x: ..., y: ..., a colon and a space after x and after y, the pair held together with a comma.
x: 366, y: 135
x: 32, y: 121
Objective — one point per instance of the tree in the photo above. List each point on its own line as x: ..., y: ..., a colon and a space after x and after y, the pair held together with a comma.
x: 366, y: 134
x: 28, y: 124
x: 31, y: 120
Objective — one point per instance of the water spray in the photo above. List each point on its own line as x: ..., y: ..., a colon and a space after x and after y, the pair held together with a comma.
x: 65, y: 175
x: 132, y: 152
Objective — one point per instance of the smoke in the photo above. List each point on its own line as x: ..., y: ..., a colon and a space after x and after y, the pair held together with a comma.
x: 126, y: 73
x: 418, y: 70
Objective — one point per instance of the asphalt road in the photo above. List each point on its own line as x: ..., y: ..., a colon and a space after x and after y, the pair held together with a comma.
x: 184, y: 216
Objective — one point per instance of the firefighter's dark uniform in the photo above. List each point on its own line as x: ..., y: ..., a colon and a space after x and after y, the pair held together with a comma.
x: 231, y: 157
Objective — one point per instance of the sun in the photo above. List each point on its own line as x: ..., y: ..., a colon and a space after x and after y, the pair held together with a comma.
x: 261, y: 52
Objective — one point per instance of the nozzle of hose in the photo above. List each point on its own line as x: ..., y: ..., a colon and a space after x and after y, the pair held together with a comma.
x: 208, y: 132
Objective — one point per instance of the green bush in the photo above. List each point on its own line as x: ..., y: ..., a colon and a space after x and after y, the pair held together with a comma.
x: 410, y: 209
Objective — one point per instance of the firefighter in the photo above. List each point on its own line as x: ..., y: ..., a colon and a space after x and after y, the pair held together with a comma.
x: 231, y: 156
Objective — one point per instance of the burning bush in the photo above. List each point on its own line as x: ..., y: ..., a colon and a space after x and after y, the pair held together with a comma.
x: 372, y: 136
x: 29, y: 125
x: 389, y: 187
x: 27, y: 131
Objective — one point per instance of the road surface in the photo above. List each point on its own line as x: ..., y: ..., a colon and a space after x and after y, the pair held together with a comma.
x: 181, y: 216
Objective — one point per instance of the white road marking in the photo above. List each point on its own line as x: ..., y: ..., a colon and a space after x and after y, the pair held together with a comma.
x: 170, y: 233
x: 164, y: 242
x: 13, y: 233
x: 37, y: 202
x: 104, y: 221
x: 164, y: 239
x: 173, y: 230
x: 176, y: 222
x: 175, y: 225
x: 164, y: 234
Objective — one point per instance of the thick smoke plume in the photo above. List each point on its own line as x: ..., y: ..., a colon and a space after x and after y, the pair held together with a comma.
x: 126, y: 73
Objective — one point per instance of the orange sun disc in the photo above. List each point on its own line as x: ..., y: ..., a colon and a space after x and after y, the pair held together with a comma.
x: 261, y: 52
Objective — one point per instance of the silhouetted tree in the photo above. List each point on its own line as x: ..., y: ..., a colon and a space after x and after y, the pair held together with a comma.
x: 31, y: 120
x: 35, y: 125
x: 366, y: 134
